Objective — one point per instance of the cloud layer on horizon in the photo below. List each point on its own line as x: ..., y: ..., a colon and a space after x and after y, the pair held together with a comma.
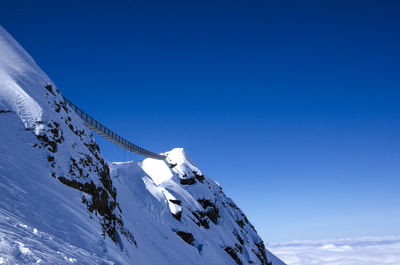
x: 358, y: 251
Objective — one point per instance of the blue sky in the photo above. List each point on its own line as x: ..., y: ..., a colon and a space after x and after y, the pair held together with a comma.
x: 293, y: 106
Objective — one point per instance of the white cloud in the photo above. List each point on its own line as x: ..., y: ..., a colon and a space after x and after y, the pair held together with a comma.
x: 359, y: 251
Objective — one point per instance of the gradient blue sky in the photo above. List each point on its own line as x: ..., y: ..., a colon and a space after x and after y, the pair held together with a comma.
x: 293, y: 106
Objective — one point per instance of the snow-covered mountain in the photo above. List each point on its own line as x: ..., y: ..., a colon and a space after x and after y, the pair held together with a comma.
x: 61, y: 203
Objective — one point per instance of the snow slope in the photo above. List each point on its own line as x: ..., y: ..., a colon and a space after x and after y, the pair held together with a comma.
x: 61, y: 203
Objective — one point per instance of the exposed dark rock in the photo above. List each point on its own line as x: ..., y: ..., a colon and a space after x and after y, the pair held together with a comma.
x: 4, y: 111
x: 188, y: 181
x: 50, y: 159
x: 49, y: 144
x: 76, y: 132
x: 128, y: 235
x: 87, y: 161
x: 199, y: 177
x: 233, y: 253
x: 50, y: 89
x: 187, y: 237
x: 240, y: 223
x: 58, y: 108
x: 245, y: 218
x: 100, y: 199
x: 89, y: 188
x: 212, y: 210
x: 94, y: 149
x: 64, y: 106
x: 103, y: 198
x: 239, y: 247
x: 261, y: 253
x: 233, y: 205
x: 205, y: 203
x: 177, y: 202
x: 239, y: 238
x: 106, y: 179
x: 172, y: 165
x: 102, y: 204
x: 178, y: 215
x: 50, y: 136
x: 76, y: 170
x: 202, y: 219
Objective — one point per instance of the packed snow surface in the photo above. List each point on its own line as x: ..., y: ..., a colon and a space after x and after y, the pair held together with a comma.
x: 61, y: 203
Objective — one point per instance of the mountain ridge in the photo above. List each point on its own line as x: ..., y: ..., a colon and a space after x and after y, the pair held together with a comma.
x: 62, y: 202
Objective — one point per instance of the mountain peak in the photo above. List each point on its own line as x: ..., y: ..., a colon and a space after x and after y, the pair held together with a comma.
x: 61, y: 202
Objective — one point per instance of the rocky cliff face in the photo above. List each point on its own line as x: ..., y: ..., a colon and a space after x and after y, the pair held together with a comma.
x: 60, y: 202
x: 190, y: 208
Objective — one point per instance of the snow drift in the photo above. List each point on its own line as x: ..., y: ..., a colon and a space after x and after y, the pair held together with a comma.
x: 61, y: 203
